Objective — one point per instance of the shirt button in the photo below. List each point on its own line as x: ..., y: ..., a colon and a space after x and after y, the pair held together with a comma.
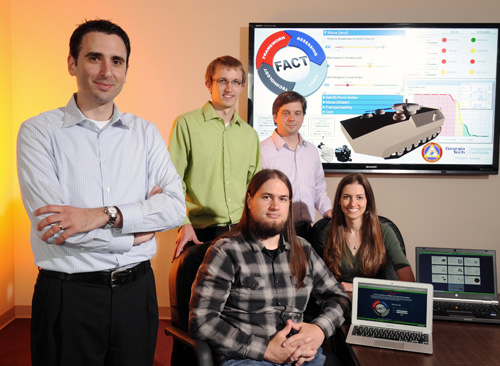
x: 227, y: 182
x: 108, y: 189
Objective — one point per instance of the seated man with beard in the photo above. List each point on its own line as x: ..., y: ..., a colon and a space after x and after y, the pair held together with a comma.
x: 253, y: 286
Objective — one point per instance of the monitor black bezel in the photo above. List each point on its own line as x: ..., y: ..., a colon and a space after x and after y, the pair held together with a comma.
x: 340, y: 167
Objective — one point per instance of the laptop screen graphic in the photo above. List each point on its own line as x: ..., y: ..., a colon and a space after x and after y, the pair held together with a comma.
x: 395, y: 304
x: 457, y: 272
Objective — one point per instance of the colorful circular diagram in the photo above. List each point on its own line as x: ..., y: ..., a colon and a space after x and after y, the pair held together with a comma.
x: 380, y: 308
x: 432, y: 152
x: 291, y: 60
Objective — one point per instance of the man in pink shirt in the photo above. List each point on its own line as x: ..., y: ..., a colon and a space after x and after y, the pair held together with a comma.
x: 287, y: 151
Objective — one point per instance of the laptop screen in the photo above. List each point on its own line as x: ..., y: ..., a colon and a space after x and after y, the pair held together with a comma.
x: 392, y: 304
x: 457, y: 273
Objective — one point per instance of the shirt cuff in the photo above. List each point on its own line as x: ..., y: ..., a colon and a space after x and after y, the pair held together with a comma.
x: 121, y: 243
x: 326, y: 325
x: 131, y: 218
x: 257, y: 348
x: 325, y: 206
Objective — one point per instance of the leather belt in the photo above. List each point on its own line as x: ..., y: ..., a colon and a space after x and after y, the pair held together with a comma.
x: 211, y: 232
x: 225, y: 227
x: 220, y: 228
x: 119, y: 277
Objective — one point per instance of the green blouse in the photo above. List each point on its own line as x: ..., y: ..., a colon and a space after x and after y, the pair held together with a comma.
x: 395, y: 257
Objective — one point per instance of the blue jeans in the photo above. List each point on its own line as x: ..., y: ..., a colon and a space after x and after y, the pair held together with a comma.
x: 323, y: 358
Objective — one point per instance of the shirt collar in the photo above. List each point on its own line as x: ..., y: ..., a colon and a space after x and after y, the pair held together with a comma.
x: 279, y: 142
x: 257, y: 245
x: 73, y: 115
x: 209, y: 114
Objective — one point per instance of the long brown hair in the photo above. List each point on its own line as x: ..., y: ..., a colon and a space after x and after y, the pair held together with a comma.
x: 298, y: 259
x: 372, y: 253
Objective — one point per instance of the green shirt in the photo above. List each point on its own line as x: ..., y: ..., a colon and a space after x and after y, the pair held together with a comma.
x: 215, y: 163
x: 395, y: 256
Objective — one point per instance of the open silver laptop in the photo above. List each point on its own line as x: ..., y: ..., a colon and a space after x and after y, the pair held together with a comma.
x: 465, y: 283
x: 391, y: 314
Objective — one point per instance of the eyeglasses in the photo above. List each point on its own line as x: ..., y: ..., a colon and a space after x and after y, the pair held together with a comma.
x: 224, y: 82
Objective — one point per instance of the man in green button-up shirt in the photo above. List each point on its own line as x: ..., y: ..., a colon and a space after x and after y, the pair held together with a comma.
x: 216, y: 153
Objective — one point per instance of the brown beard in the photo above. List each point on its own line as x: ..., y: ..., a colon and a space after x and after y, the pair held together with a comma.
x: 264, y: 230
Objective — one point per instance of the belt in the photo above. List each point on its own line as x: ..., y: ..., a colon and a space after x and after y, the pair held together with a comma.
x: 217, y: 227
x: 211, y: 232
x: 119, y: 277
x: 224, y: 227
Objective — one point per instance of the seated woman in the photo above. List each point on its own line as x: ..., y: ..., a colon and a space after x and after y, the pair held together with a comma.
x: 357, y: 244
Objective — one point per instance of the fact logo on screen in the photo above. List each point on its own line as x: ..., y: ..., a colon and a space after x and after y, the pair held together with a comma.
x: 380, y: 308
x: 291, y: 60
x: 432, y: 152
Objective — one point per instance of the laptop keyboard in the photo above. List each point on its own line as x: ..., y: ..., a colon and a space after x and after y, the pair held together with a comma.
x: 390, y: 334
x: 466, y: 307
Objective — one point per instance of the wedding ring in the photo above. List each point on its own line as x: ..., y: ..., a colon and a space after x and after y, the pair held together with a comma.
x: 60, y: 227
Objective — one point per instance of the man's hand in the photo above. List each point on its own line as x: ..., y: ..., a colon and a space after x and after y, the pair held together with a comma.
x: 156, y: 190
x: 328, y: 214
x: 307, y: 340
x: 69, y: 221
x: 185, y: 235
x: 278, y: 351
x: 140, y: 238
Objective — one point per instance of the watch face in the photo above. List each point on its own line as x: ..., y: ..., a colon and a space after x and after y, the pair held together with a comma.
x: 112, y: 211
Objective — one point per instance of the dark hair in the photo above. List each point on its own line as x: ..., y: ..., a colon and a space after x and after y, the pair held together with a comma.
x: 227, y: 62
x: 298, y: 260
x: 97, y: 25
x: 288, y: 97
x: 372, y: 252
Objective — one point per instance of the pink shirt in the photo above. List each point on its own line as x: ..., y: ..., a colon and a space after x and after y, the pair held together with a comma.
x: 304, y: 170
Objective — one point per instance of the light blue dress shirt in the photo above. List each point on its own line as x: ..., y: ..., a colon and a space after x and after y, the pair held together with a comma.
x: 64, y: 159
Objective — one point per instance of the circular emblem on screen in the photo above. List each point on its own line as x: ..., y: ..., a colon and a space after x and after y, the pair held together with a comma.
x: 432, y: 152
x: 380, y: 308
x: 291, y: 60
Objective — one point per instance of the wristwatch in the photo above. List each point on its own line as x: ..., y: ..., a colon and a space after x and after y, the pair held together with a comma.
x: 112, y: 213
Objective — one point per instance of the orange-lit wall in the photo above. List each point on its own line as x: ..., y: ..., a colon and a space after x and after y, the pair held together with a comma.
x: 7, y: 174
x: 172, y: 42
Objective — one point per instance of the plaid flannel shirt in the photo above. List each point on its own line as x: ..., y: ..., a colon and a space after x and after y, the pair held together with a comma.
x: 242, y: 296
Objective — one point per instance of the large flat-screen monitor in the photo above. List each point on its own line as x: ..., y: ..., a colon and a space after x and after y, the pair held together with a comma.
x: 384, y: 98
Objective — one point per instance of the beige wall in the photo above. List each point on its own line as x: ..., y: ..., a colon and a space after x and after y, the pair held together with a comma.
x: 173, y: 41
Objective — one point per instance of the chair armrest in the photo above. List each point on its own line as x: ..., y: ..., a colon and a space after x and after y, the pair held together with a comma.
x: 201, y: 348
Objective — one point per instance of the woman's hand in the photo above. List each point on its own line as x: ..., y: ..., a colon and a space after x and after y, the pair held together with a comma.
x: 347, y: 286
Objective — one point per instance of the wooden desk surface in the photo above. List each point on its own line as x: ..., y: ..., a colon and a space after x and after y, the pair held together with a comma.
x: 455, y: 343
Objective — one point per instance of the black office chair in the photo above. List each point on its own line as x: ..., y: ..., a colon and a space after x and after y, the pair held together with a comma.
x: 186, y: 350
x: 317, y: 238
x: 392, y: 225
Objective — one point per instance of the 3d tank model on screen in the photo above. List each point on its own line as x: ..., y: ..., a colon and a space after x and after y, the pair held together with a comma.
x: 393, y: 134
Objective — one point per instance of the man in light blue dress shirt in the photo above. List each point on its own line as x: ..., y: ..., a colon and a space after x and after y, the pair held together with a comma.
x: 96, y: 184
